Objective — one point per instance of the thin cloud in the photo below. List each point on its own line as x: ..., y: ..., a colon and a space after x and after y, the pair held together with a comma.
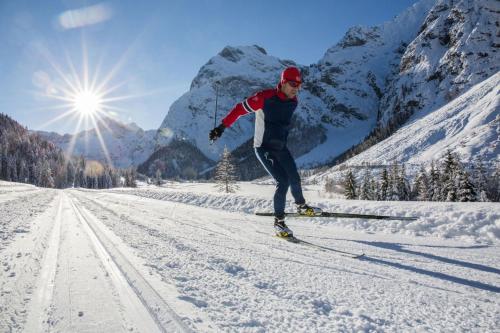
x: 77, y: 18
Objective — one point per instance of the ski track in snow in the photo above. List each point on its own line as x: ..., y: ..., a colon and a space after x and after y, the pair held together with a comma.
x: 100, y: 261
x: 76, y: 280
x: 471, y: 222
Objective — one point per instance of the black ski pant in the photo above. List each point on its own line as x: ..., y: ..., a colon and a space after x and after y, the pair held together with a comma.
x: 281, y: 166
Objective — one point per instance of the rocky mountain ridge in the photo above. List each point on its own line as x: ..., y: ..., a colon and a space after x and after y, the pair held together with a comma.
x: 374, y: 81
x: 126, y: 144
x: 339, y: 102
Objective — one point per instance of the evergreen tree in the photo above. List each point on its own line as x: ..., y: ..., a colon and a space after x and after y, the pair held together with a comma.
x: 70, y: 174
x: 403, y: 187
x: 225, y: 173
x: 366, y: 190
x: 393, y: 177
x: 422, y: 186
x: 480, y: 180
x: 350, y: 185
x: 329, y: 185
x: 374, y: 189
x: 494, y: 185
x: 158, y: 180
x: 130, y: 176
x: 23, y: 174
x: 448, y: 177
x: 465, y: 191
x: 384, y: 185
x: 46, y: 179
x: 108, y: 179
x: 434, y: 192
x: 82, y: 180
x: 11, y: 168
x: 449, y: 192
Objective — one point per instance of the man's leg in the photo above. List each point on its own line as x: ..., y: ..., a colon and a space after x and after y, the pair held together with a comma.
x: 287, y: 162
x: 274, y: 168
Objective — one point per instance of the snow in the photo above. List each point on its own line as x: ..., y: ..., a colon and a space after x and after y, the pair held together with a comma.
x: 184, y: 257
x: 467, y: 125
x: 338, y: 97
x: 472, y: 222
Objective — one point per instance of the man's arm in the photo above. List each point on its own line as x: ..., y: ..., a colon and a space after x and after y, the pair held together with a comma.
x: 249, y: 105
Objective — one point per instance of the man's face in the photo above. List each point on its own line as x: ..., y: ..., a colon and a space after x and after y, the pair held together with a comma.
x: 290, y: 89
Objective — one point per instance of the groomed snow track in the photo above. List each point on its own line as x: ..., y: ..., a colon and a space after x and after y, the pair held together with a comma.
x: 140, y: 299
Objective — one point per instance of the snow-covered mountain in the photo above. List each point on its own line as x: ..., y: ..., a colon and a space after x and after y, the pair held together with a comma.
x: 448, y: 87
x: 126, y: 144
x: 374, y: 79
x: 469, y: 126
x: 236, y: 72
x: 456, y: 48
x: 338, y: 105
x: 352, y: 77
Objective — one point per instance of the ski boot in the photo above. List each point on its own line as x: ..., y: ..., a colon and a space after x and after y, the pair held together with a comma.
x: 282, y: 229
x: 305, y: 209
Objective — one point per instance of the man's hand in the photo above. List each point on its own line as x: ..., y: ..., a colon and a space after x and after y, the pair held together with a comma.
x: 216, y: 132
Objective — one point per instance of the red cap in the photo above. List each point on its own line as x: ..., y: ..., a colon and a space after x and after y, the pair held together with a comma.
x: 291, y: 74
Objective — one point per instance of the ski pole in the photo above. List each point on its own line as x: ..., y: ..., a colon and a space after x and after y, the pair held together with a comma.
x: 216, y: 101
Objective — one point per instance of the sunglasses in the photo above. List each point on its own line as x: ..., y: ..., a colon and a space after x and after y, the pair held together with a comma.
x: 294, y: 84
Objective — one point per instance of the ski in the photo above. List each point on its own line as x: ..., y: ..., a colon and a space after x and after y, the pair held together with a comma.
x: 346, y: 215
x: 296, y: 240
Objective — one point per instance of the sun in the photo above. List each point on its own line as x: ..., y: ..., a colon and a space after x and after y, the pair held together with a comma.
x: 88, y: 97
x: 87, y: 102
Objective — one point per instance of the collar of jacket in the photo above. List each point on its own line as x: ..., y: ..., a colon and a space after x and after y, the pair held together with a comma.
x: 281, y: 95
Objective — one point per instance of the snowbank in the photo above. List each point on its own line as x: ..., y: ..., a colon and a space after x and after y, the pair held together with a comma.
x: 477, y: 222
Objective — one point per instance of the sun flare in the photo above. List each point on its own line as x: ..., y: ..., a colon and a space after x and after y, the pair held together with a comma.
x: 87, y: 102
x: 88, y: 97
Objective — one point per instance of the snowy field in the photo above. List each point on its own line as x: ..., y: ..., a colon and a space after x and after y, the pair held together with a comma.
x: 185, y: 258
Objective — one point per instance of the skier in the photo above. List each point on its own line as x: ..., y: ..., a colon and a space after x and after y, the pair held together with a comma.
x: 273, y: 110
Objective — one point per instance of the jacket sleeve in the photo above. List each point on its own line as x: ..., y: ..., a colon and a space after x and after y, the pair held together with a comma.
x: 249, y: 105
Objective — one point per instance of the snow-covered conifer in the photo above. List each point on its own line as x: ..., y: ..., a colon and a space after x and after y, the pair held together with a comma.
x: 225, y: 173
x: 494, y: 185
x: 384, y: 185
x: 366, y: 190
x: 329, y: 185
x: 422, y: 189
x: 46, y: 179
x: 448, y: 177
x: 374, y: 189
x: 350, y: 185
x: 434, y: 192
x: 158, y: 180
x: 403, y: 187
x: 480, y: 180
x: 392, y: 188
x: 465, y: 191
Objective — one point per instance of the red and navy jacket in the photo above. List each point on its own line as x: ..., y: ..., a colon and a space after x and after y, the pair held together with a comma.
x: 273, y: 115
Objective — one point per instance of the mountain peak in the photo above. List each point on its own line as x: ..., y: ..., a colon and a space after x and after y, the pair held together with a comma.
x: 244, y: 62
x: 236, y: 53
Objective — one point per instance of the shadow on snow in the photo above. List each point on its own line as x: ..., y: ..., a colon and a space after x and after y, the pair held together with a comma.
x: 443, y: 276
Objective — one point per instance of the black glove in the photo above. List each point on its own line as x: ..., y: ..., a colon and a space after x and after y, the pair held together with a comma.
x: 216, y: 132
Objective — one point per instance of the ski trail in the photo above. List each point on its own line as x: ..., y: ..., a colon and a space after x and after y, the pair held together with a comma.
x: 143, y: 305
x: 255, y: 242
x: 83, y: 296
x: 38, y: 310
x: 238, y: 274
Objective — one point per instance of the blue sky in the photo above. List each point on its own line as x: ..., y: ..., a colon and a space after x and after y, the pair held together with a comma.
x: 158, y: 45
